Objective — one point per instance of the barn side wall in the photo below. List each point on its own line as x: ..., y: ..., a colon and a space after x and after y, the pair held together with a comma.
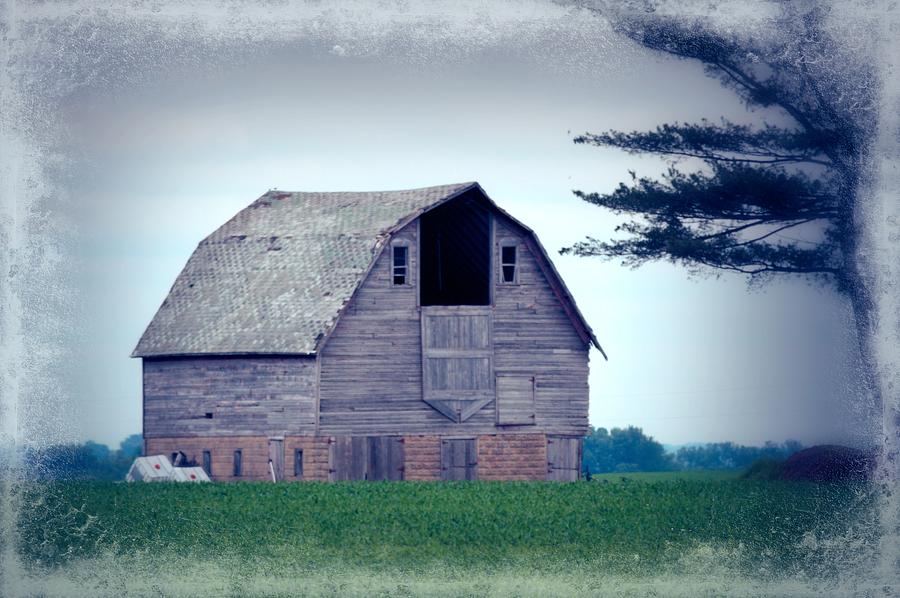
x: 371, y: 366
x: 254, y: 455
x: 520, y: 457
x: 246, y: 396
x: 423, y: 458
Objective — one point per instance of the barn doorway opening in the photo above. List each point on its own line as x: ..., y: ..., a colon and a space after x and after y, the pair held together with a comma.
x: 456, y: 253
x: 276, y: 459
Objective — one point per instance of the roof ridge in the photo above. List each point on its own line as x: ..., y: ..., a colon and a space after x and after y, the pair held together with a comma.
x: 372, y: 191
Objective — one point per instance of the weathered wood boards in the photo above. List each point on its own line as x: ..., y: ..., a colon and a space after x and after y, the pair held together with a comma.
x: 229, y: 396
x: 466, y: 381
x: 386, y: 458
x: 457, y: 369
x: 276, y: 458
x: 390, y: 365
x: 459, y: 459
x: 373, y: 458
x: 515, y: 400
x: 563, y: 458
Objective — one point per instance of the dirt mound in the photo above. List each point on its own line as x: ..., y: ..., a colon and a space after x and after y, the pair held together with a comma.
x: 828, y: 463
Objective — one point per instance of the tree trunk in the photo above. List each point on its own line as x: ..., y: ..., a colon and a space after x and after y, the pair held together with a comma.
x: 865, y: 320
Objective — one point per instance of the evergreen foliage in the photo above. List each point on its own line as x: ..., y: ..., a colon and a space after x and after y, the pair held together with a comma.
x: 757, y: 187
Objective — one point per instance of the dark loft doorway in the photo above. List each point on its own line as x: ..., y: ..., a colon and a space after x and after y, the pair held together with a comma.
x: 456, y: 253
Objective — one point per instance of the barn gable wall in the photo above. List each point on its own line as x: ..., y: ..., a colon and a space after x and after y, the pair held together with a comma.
x: 371, y: 366
x: 247, y: 396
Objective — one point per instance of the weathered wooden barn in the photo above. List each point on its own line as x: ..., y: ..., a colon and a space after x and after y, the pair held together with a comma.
x: 420, y: 335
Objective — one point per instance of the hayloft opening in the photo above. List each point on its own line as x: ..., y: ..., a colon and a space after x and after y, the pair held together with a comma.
x: 456, y: 253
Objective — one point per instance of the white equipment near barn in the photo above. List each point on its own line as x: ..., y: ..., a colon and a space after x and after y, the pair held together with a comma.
x: 189, y: 474
x: 155, y: 468
x: 158, y: 468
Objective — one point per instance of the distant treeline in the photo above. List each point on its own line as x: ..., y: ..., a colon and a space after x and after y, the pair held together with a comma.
x: 618, y: 450
x: 628, y: 449
x: 85, y: 461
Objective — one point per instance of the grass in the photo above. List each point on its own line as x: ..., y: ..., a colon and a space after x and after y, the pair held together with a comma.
x: 640, y: 523
x: 700, y: 475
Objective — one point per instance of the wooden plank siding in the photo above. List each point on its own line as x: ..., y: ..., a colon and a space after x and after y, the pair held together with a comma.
x: 515, y: 400
x: 245, y: 396
x: 374, y: 458
x: 533, y: 337
x: 276, y: 458
x: 358, y: 409
x: 459, y: 459
x: 457, y: 370
x: 371, y: 368
x: 564, y: 458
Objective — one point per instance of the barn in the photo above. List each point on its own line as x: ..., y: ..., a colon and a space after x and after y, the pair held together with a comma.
x: 421, y: 334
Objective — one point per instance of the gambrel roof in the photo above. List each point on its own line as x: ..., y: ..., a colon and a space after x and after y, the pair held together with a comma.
x: 274, y: 278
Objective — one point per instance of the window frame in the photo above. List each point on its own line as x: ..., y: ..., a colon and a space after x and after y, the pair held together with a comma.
x: 514, y: 245
x: 207, y: 462
x: 407, y: 270
x: 238, y: 463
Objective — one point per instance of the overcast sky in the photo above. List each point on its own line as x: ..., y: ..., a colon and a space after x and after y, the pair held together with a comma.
x: 176, y: 156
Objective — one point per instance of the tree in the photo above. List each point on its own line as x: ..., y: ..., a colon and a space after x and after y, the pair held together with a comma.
x: 758, y: 187
x: 87, y: 461
x: 132, y: 447
x: 727, y: 455
x: 622, y: 450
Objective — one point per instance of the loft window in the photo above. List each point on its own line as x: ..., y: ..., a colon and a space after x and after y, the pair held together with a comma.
x: 508, y: 266
x: 455, y: 253
x: 238, y: 465
x: 400, y: 265
x: 298, y: 464
x: 207, y: 462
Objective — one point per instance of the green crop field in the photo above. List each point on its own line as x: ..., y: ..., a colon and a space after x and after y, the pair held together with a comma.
x: 630, y: 525
x: 700, y: 475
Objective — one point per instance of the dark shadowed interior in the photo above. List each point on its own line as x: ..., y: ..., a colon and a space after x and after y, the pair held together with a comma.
x: 456, y: 253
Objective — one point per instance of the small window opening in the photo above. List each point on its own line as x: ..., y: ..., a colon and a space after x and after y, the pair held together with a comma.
x: 238, y: 465
x: 508, y: 263
x: 298, y: 464
x: 208, y: 415
x: 207, y: 462
x: 400, y: 264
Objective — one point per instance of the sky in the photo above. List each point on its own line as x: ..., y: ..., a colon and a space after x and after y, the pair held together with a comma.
x: 166, y: 161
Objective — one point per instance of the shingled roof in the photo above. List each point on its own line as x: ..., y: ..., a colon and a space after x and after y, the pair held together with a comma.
x: 273, y: 279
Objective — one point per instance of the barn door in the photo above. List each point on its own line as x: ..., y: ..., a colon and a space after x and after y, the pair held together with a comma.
x: 367, y: 458
x: 563, y: 458
x: 385, y: 458
x: 457, y: 359
x: 276, y: 458
x: 348, y: 458
x: 458, y: 459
